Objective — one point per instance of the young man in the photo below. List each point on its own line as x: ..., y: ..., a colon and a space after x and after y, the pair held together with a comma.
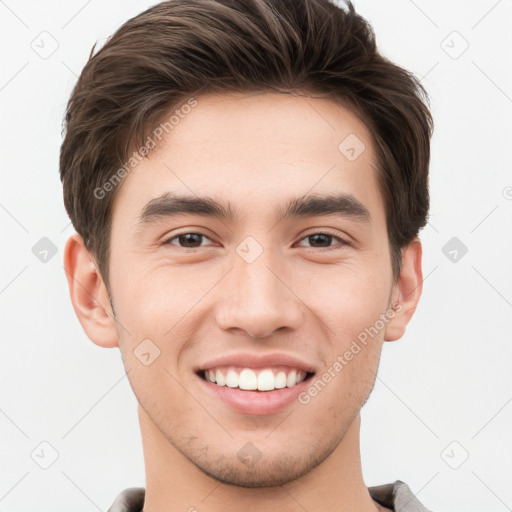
x: 247, y: 180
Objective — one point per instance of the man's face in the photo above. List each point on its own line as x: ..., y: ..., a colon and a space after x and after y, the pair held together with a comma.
x: 235, y: 291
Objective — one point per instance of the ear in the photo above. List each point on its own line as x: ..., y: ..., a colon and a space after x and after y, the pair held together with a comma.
x: 89, y: 294
x: 406, y: 291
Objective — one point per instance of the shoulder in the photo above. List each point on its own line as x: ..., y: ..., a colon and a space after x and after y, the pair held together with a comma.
x: 129, y: 500
x: 397, y: 496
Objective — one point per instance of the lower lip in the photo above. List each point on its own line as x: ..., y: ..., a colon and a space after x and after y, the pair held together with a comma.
x: 257, y: 403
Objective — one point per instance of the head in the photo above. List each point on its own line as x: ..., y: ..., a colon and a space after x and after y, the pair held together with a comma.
x: 278, y: 124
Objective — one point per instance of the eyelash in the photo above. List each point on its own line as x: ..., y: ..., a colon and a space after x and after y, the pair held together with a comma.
x: 340, y: 240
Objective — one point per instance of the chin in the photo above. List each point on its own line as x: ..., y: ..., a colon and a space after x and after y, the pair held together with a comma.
x: 255, y: 471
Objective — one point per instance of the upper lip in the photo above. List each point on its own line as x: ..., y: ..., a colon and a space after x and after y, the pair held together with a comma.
x: 257, y: 361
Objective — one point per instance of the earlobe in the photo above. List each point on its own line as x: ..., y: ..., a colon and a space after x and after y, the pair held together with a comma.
x: 407, y: 291
x: 88, y: 294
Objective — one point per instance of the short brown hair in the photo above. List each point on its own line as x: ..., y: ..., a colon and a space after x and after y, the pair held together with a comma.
x: 180, y: 48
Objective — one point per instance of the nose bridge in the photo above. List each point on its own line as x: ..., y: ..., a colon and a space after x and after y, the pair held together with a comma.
x: 258, y: 301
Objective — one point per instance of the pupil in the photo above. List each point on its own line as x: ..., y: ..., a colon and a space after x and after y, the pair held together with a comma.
x: 325, y: 237
x: 189, y: 237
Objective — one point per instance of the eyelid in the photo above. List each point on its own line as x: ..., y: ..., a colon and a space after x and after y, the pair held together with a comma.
x: 167, y: 239
x: 319, y: 231
x: 325, y: 231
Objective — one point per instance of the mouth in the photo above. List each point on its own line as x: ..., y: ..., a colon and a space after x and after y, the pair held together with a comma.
x: 255, y: 379
x: 255, y: 384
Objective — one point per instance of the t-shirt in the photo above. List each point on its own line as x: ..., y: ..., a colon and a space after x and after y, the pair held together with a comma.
x: 396, y: 496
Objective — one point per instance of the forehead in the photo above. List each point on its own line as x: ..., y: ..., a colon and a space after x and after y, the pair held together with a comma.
x: 251, y: 150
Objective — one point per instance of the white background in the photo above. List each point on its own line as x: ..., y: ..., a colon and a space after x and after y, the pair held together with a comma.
x: 448, y: 380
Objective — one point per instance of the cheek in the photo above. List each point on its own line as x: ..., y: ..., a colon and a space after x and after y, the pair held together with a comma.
x: 348, y: 298
x: 157, y: 389
x: 349, y: 306
x: 153, y: 299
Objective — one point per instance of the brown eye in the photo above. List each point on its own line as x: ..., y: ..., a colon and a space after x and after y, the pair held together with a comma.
x: 323, y: 240
x: 186, y: 240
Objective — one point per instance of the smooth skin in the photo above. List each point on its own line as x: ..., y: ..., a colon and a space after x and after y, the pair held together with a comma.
x: 305, y: 296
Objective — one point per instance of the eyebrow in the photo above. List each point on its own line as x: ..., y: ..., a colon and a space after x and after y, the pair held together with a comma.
x: 171, y: 205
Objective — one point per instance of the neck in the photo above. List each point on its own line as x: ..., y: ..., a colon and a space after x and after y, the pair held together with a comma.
x: 175, y: 483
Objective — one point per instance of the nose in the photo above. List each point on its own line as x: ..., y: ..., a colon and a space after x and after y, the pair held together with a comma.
x: 259, y: 298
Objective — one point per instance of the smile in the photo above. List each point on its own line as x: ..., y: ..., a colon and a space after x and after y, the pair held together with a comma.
x: 262, y: 379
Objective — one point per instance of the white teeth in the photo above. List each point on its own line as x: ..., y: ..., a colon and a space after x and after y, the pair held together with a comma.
x: 219, y: 378
x: 232, y: 379
x: 291, y: 380
x: 266, y: 380
x: 280, y: 380
x: 248, y: 379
